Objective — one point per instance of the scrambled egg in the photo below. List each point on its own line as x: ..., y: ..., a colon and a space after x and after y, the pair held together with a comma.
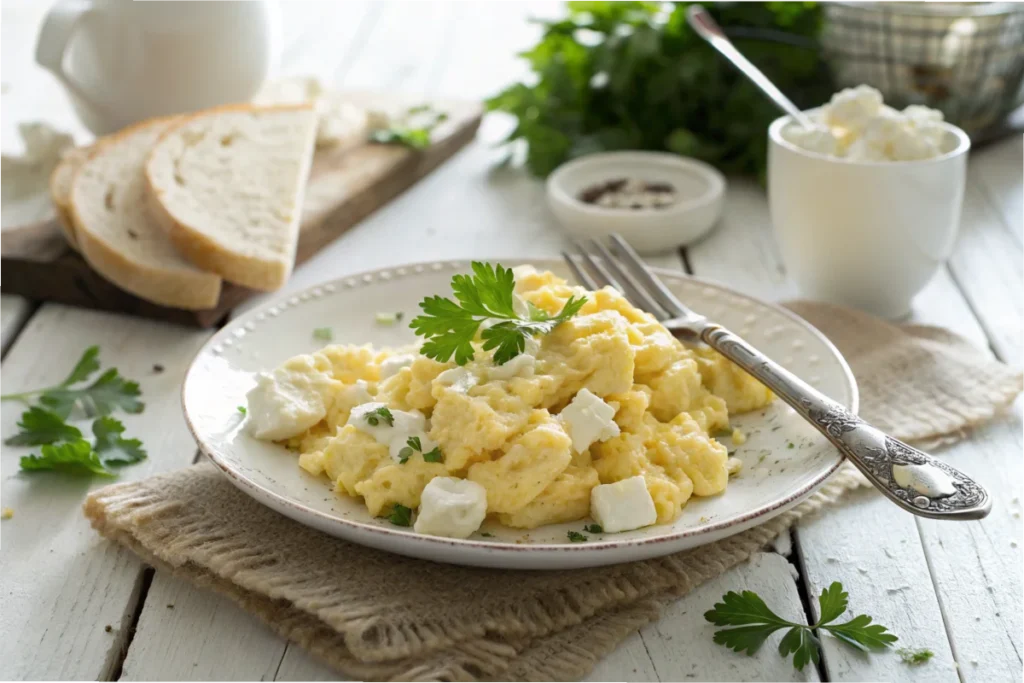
x: 500, y: 426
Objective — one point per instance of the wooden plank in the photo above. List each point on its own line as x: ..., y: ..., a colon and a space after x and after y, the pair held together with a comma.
x: 996, y: 169
x: 63, y: 584
x: 189, y: 634
x: 345, y: 186
x: 843, y: 544
x: 680, y: 643
x: 14, y: 311
x: 976, y: 565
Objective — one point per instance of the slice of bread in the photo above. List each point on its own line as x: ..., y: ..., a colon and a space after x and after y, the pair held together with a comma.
x: 116, y: 233
x: 60, y: 189
x: 228, y: 185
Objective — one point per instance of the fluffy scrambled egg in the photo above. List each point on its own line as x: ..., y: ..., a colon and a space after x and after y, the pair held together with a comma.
x: 499, y: 426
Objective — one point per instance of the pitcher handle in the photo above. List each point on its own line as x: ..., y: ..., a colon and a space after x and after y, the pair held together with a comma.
x: 55, y: 36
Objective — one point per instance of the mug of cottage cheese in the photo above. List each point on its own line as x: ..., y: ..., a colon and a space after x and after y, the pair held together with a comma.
x: 866, y: 205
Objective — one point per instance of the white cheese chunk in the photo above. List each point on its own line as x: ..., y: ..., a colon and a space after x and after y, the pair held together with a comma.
x: 522, y: 365
x: 459, y: 379
x: 289, y: 400
x: 588, y: 419
x: 393, y: 364
x: 451, y: 507
x: 623, y: 506
x: 395, y: 436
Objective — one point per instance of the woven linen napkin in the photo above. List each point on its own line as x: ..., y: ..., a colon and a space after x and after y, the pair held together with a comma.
x: 376, y: 616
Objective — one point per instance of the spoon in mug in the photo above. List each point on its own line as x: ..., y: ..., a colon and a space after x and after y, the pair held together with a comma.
x: 707, y: 28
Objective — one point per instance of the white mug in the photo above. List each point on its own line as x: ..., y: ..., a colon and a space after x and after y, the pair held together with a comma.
x: 123, y: 61
x: 864, y: 234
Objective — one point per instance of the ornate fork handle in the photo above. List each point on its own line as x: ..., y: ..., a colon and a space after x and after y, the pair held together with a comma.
x: 913, y: 479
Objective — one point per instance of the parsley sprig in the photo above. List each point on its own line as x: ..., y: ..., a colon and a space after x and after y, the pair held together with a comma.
x: 413, y: 445
x: 450, y: 327
x: 754, y: 622
x: 63, y: 447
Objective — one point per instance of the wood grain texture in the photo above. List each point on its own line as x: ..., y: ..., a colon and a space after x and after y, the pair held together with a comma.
x: 14, y: 311
x: 345, y: 186
x: 62, y: 584
x: 997, y: 170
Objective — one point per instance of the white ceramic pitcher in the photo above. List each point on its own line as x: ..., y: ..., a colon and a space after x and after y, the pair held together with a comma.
x: 123, y: 61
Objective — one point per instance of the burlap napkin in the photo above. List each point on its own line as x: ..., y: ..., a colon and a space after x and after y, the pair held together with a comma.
x: 373, y: 615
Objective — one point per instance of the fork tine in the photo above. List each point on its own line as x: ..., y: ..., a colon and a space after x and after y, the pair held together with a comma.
x: 602, y: 277
x: 637, y: 295
x: 647, y: 278
x: 581, y: 275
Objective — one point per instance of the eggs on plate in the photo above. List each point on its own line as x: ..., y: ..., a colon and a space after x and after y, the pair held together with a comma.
x: 606, y: 416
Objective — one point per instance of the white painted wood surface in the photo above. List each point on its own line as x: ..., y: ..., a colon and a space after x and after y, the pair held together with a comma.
x: 14, y: 311
x: 61, y: 585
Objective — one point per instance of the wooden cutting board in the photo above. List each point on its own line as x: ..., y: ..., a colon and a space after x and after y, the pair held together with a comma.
x: 345, y: 186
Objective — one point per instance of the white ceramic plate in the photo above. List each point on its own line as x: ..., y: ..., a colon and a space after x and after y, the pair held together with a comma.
x: 784, y: 459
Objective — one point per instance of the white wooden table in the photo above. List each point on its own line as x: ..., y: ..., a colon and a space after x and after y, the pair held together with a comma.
x: 953, y: 588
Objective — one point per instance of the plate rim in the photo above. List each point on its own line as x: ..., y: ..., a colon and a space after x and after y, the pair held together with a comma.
x: 261, y: 493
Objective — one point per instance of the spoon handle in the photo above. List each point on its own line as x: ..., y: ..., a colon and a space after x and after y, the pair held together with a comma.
x: 707, y: 28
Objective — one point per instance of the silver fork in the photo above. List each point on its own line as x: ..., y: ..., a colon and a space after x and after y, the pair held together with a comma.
x: 929, y: 488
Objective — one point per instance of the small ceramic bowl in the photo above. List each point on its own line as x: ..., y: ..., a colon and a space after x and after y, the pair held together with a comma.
x: 700, y: 190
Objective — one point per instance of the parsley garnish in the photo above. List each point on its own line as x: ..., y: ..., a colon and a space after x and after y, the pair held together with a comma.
x: 594, y: 528
x: 375, y: 416
x: 914, y: 657
x: 433, y: 455
x: 400, y: 515
x: 242, y: 410
x: 576, y: 537
x: 323, y: 334
x: 486, y: 534
x: 449, y: 327
x: 63, y: 447
x: 756, y: 622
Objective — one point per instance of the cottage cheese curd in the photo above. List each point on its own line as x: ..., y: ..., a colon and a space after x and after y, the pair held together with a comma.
x: 606, y: 397
x: 857, y: 125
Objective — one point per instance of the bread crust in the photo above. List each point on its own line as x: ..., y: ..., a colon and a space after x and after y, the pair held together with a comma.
x: 206, y: 251
x: 191, y: 290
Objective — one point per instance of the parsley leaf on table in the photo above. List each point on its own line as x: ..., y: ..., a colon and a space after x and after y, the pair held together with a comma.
x: 112, y: 448
x: 39, y: 426
x: 450, y: 327
x: 102, y: 397
x: 74, y: 457
x: 914, y: 657
x: 63, y: 447
x: 753, y: 622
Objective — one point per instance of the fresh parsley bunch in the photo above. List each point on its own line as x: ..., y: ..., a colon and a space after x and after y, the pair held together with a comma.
x: 450, y: 327
x: 633, y: 75
x: 752, y: 622
x: 63, y: 448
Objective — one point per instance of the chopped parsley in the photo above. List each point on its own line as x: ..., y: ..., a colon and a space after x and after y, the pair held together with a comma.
x: 790, y: 444
x: 914, y: 657
x: 594, y: 528
x: 242, y: 410
x: 323, y: 334
x: 400, y: 515
x: 576, y: 537
x: 413, y: 445
x: 486, y: 534
x: 374, y: 417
